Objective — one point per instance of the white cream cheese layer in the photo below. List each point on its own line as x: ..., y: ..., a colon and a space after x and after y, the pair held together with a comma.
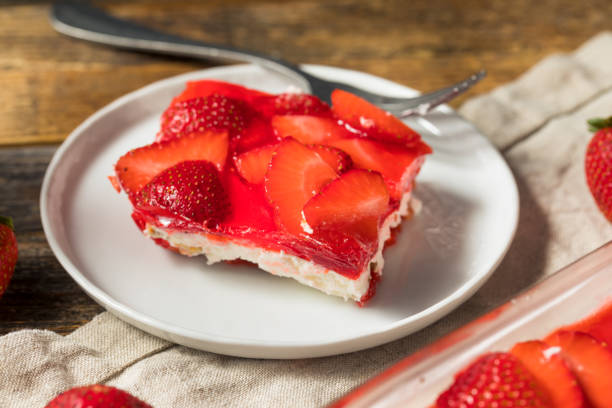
x: 282, y: 264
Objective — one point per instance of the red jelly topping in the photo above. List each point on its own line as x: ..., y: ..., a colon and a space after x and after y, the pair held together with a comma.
x: 274, y: 156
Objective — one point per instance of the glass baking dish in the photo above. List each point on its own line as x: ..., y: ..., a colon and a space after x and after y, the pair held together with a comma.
x: 569, y: 295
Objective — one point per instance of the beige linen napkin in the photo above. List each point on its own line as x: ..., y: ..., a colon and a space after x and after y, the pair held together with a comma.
x: 538, y: 122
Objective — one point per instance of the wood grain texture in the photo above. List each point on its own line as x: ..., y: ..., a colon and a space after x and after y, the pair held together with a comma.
x: 40, y: 294
x: 50, y: 83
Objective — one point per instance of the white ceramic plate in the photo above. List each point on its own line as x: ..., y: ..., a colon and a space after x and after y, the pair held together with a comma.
x: 441, y: 256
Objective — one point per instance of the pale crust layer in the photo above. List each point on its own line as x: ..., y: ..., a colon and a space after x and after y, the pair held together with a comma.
x: 280, y: 263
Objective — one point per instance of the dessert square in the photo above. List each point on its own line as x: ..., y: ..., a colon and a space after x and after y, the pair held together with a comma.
x: 297, y: 187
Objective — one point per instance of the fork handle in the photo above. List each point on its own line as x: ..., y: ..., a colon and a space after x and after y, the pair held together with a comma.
x: 89, y: 23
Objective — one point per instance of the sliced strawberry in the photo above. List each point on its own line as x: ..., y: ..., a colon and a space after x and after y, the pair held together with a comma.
x: 257, y: 133
x: 212, y: 112
x: 494, y: 380
x: 552, y: 372
x: 398, y: 165
x: 300, y: 104
x: 335, y: 157
x: 296, y: 173
x: 353, y: 202
x: 308, y: 129
x: 340, y: 250
x: 190, y: 189
x: 196, y: 89
x: 591, y: 363
x: 253, y: 165
x: 137, y: 167
x: 377, y: 123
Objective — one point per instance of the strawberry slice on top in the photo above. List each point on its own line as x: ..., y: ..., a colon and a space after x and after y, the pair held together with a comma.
x: 397, y: 164
x: 353, y: 202
x: 211, y: 112
x: 206, y: 87
x: 361, y: 115
x: 308, y: 129
x: 281, y: 175
x: 495, y: 380
x: 296, y: 173
x: 191, y: 189
x: 138, y: 166
x: 297, y: 104
x: 253, y: 164
x: 335, y: 157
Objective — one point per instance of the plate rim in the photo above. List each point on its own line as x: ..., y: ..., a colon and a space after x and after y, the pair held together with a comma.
x: 247, y: 347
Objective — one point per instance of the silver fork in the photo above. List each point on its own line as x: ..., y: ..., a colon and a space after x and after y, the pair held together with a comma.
x: 85, y: 22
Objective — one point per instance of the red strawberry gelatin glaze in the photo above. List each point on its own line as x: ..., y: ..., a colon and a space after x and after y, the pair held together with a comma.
x: 283, y: 181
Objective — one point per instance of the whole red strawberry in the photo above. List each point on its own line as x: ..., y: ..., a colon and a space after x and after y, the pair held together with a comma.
x: 494, y: 380
x: 598, y: 164
x: 96, y: 396
x: 8, y: 252
x: 191, y: 189
x: 211, y: 112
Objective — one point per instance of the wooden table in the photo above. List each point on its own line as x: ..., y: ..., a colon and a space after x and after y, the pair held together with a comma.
x: 50, y: 83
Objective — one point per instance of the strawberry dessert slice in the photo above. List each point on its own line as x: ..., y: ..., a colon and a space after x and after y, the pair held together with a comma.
x: 282, y: 181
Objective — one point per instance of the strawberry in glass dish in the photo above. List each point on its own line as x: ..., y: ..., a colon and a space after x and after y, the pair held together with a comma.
x: 495, y: 380
x: 569, y: 368
x: 300, y: 188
